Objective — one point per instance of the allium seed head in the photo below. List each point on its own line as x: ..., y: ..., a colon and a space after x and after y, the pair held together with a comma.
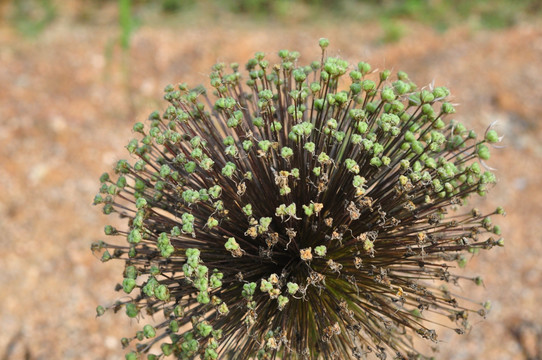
x: 296, y: 212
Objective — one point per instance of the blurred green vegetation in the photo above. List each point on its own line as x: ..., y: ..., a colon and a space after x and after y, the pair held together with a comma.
x: 32, y: 16
x: 440, y: 14
x: 126, y: 22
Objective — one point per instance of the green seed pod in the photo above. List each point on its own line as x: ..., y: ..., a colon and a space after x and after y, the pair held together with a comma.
x: 387, y: 95
x: 131, y: 356
x: 282, y: 301
x: 128, y: 285
x: 228, y: 169
x: 167, y: 349
x: 324, y: 43
x: 104, y: 178
x: 286, y: 152
x: 131, y: 310
x: 492, y: 136
x: 384, y: 75
x: 106, y: 256
x: 125, y: 342
x: 310, y: 147
x: 426, y: 96
x: 401, y: 87
x: 173, y: 326
x: 483, y: 152
x: 98, y: 199
x: 376, y: 162
x: 265, y: 286
x: 203, y: 298
x: 149, y: 331
x: 178, y: 311
x: 161, y: 292
x: 248, y: 290
x: 110, y: 230
x: 320, y: 250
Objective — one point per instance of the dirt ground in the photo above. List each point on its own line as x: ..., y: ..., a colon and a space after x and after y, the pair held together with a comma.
x: 69, y: 98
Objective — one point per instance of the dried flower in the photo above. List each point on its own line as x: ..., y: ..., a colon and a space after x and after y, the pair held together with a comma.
x: 282, y: 217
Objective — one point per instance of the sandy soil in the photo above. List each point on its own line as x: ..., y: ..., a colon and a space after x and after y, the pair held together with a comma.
x: 67, y: 103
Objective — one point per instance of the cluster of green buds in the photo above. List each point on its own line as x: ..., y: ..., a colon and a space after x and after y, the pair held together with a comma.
x: 327, y: 200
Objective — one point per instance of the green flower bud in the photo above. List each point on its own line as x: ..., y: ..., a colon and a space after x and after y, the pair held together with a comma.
x: 387, y: 94
x: 492, y: 136
x: 324, y: 43
x: 161, y: 292
x: 310, y: 147
x: 384, y: 75
x: 131, y: 356
x: 320, y: 250
x: 167, y: 349
x: 483, y: 152
x: 282, y: 301
x: 286, y: 152
x: 128, y: 285
x: 131, y: 310
x: 364, y: 68
x: 149, y: 331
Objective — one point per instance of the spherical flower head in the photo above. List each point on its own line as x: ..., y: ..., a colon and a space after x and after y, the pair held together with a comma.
x: 297, y: 212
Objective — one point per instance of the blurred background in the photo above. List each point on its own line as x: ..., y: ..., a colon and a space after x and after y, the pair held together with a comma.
x: 75, y: 75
